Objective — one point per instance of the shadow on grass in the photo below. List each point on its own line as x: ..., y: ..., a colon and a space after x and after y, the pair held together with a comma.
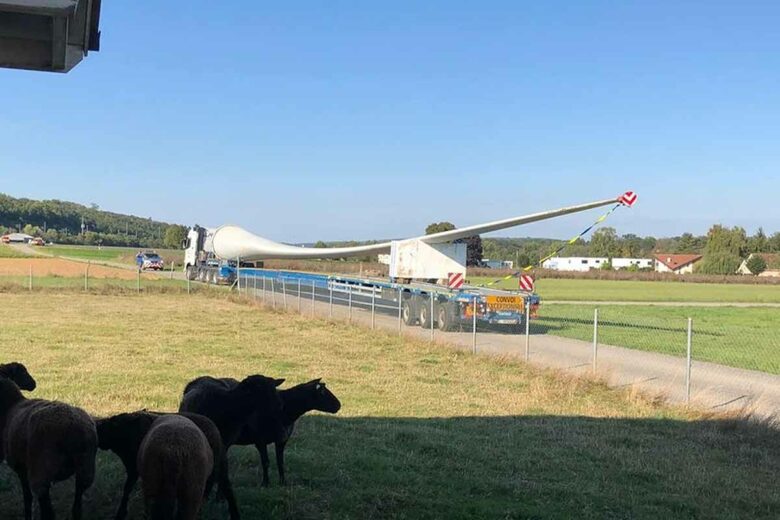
x: 490, y: 467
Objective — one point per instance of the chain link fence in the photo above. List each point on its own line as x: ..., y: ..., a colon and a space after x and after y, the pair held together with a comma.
x: 719, y: 355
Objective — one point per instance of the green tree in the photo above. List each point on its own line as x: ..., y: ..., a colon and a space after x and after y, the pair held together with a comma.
x: 758, y: 243
x: 719, y: 263
x: 174, y: 236
x: 438, y: 227
x: 774, y: 243
x: 320, y: 244
x: 756, y: 264
x: 604, y: 242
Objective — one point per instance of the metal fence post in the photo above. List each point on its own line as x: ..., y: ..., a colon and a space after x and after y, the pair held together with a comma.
x: 313, y: 299
x: 138, y: 283
x: 595, y: 338
x: 263, y: 289
x: 254, y: 287
x: 284, y: 293
x: 350, y: 304
x: 400, y: 299
x: 238, y: 274
x: 373, y: 310
x: 688, y: 362
x: 273, y: 293
x: 299, y: 295
x: 86, y: 278
x: 330, y: 300
x: 188, y: 283
x: 173, y: 265
x: 433, y: 296
x: 527, y: 332
x: 474, y: 327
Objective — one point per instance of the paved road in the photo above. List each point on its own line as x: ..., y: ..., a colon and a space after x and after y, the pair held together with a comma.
x: 713, y: 386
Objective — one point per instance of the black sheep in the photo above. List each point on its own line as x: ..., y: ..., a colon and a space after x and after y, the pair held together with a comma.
x: 174, y: 462
x: 296, y: 401
x: 255, y: 396
x: 123, y: 434
x: 46, y: 442
x: 18, y: 373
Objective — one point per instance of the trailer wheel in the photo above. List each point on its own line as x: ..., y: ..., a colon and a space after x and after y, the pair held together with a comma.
x: 445, y: 317
x: 425, y: 313
x: 409, y: 312
x: 201, y: 275
x: 190, y: 272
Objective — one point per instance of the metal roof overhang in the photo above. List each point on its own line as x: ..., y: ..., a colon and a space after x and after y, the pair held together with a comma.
x: 48, y: 35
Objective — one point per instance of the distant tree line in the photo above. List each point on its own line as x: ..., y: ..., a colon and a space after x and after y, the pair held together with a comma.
x: 70, y: 223
x: 723, y: 248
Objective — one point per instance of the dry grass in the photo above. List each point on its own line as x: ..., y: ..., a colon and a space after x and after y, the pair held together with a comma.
x: 424, y: 432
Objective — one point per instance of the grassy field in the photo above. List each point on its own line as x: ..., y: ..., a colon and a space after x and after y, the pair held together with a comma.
x: 614, y: 290
x: 735, y: 336
x: 122, y: 255
x: 7, y: 251
x: 424, y: 431
x: 15, y: 283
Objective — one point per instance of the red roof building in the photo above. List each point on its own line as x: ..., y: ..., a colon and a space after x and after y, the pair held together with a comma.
x: 678, y: 264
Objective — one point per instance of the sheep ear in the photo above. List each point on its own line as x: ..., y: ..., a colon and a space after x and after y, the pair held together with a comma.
x: 278, y: 382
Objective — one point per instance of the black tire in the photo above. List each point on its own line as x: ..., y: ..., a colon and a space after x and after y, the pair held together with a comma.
x: 202, y: 275
x: 190, y: 272
x: 445, y: 316
x: 409, y: 312
x: 425, y: 313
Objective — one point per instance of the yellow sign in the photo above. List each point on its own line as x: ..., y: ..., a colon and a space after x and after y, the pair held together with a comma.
x: 505, y: 303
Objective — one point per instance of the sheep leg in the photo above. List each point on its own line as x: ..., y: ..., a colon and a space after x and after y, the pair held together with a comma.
x: 280, y: 460
x: 85, y: 476
x: 28, y: 497
x: 44, y: 501
x: 132, y: 478
x: 226, y: 489
x: 261, y: 447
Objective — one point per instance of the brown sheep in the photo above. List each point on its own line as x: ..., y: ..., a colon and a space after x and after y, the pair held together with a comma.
x: 174, y: 463
x: 46, y: 442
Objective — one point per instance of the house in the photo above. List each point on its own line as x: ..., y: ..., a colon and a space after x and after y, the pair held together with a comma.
x: 772, y: 264
x: 677, y: 264
x: 583, y: 263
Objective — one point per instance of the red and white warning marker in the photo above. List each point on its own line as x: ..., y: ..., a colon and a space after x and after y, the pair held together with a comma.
x: 455, y: 280
x: 526, y: 283
x: 627, y: 199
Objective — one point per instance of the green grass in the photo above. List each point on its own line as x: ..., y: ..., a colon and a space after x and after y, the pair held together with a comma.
x: 424, y: 431
x: 618, y: 290
x: 124, y: 255
x: 743, y: 337
x: 7, y: 251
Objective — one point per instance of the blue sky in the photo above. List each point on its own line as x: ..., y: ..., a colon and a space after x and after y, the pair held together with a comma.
x: 355, y: 120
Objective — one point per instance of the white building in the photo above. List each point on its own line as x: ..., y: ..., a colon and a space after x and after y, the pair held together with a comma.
x: 584, y: 263
x: 17, y: 237
x: 772, y: 261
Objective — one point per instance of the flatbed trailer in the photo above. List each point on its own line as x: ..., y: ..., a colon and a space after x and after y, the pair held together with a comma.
x: 416, y: 302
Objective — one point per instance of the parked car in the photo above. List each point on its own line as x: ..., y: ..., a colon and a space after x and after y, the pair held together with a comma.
x: 151, y: 260
x: 37, y: 241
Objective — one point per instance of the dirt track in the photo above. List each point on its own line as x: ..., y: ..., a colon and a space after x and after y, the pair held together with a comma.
x: 64, y: 268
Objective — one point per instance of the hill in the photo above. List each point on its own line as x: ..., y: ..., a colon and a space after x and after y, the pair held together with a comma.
x: 61, y: 222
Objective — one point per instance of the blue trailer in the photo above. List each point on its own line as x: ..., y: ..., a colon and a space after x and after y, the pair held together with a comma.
x: 417, y: 303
